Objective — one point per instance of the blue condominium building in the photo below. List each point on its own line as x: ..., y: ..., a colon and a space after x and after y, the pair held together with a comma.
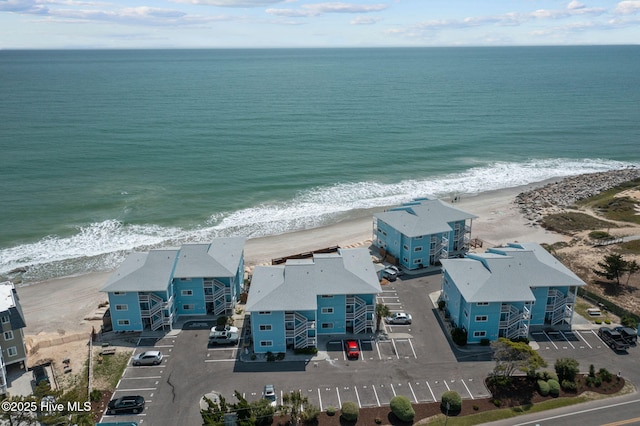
x: 290, y: 305
x: 151, y: 290
x: 422, y: 233
x: 508, y: 292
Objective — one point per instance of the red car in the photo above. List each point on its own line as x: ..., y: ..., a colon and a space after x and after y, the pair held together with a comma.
x: 352, y: 349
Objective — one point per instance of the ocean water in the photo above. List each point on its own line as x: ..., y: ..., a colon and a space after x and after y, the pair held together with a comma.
x: 104, y: 152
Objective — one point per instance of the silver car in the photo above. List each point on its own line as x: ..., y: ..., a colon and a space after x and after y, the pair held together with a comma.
x: 399, y: 318
x: 269, y: 394
x: 148, y: 358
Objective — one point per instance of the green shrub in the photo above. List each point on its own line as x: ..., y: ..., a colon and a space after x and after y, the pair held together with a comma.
x: 402, y: 409
x: 605, y: 375
x: 475, y: 407
x: 554, y: 388
x: 95, y: 395
x: 599, y: 235
x: 592, y: 371
x: 441, y: 304
x: 459, y: 336
x: 350, y: 411
x: 378, y: 420
x: 453, y: 400
x: 598, y: 321
x: 306, y: 351
x: 569, y: 386
x: 280, y: 356
x: 331, y: 410
x: 546, y: 375
x: 543, y: 387
x: 497, y: 402
x: 567, y: 368
x: 607, y: 321
x: 629, y: 321
x: 485, y: 342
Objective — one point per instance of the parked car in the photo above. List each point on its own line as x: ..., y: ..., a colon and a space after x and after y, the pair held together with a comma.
x: 226, y: 327
x: 399, y: 272
x: 126, y: 404
x: 389, y: 274
x: 628, y: 334
x: 269, y: 393
x: 40, y: 375
x: 148, y: 358
x: 223, y: 338
x: 351, y: 349
x: 613, y: 338
x: 399, y: 318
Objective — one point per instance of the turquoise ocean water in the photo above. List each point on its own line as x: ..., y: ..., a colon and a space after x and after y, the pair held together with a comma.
x: 103, y: 152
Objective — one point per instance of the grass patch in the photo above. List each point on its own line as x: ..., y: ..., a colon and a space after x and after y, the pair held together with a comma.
x: 612, y: 207
x: 110, y: 369
x: 570, y: 222
x: 507, y: 413
x: 630, y: 247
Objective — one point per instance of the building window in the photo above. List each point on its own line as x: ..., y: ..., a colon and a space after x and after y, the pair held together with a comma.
x: 327, y: 325
x: 5, y: 319
x: 327, y: 310
x: 122, y: 307
x: 327, y: 296
x: 266, y: 343
x: 12, y: 351
x: 405, y: 260
x: 479, y: 333
x: 417, y: 261
x: 123, y: 322
x: 482, y: 304
x: 119, y: 293
x: 264, y: 313
x: 406, y: 247
x: 8, y: 335
x: 188, y: 307
x: 481, y: 318
x: 185, y: 279
x: 265, y: 327
x: 417, y: 249
x: 419, y: 237
x: 466, y: 314
x: 187, y: 292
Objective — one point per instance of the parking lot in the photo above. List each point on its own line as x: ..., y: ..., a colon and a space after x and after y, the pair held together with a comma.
x: 575, y: 340
x: 143, y: 380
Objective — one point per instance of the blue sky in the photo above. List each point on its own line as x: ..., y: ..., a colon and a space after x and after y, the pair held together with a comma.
x: 71, y: 24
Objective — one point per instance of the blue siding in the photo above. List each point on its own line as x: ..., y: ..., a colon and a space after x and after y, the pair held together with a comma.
x: 195, y: 286
x: 265, y: 340
x: 132, y: 312
x: 332, y: 322
x: 489, y: 326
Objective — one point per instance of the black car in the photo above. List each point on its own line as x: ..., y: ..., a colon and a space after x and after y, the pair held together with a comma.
x: 628, y: 334
x: 126, y: 404
x: 40, y: 375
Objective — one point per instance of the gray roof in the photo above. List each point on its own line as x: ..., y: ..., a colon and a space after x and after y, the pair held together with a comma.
x: 220, y: 258
x: 426, y: 218
x: 296, y: 285
x: 150, y: 271
x: 507, y: 274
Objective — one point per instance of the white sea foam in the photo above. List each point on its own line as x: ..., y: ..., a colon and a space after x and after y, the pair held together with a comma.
x: 102, y: 246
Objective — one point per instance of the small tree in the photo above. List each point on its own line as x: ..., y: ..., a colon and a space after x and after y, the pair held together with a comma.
x: 382, y: 311
x: 451, y: 402
x: 514, y: 356
x: 632, y: 268
x: 612, y: 267
x: 292, y: 404
x: 350, y: 411
x: 401, y: 408
x: 567, y: 369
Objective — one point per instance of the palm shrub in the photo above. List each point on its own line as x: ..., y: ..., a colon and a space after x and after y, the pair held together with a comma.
x: 350, y: 411
x: 554, y: 387
x: 451, y: 402
x: 402, y: 409
x: 331, y: 410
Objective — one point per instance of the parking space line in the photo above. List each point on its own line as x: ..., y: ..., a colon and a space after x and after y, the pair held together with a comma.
x: 584, y: 340
x: 394, y: 391
x: 413, y: 393
x: 220, y: 360
x: 139, y: 378
x: 320, y: 399
x: 134, y: 390
x: 376, y: 394
x: 163, y: 346
x: 596, y: 334
x: 550, y: 340
x: 467, y: 388
x: 355, y: 388
x: 378, y: 349
x: 395, y: 349
x: 565, y: 338
x: 338, y: 393
x: 431, y: 390
x: 446, y: 384
x: 413, y: 350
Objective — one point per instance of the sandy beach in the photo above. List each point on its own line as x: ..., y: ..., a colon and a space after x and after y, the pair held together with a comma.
x: 61, y: 307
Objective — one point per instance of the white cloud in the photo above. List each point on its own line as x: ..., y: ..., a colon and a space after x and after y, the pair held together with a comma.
x: 627, y: 7
x: 575, y: 5
x: 22, y: 6
x: 364, y: 20
x: 230, y: 3
x: 322, y: 8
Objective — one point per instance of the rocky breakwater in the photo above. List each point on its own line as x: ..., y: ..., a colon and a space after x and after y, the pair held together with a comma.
x: 555, y: 197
